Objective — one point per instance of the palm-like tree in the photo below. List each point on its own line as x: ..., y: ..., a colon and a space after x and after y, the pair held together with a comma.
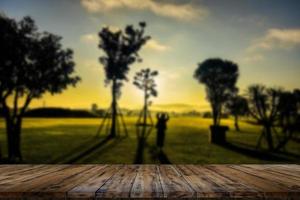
x: 121, y: 50
x: 144, y: 80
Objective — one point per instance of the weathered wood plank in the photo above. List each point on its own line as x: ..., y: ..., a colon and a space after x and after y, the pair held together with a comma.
x: 209, y: 184
x: 8, y: 173
x: 61, y: 183
x: 13, y: 186
x: 147, y: 183
x: 294, y: 171
x: 235, y: 189
x: 292, y: 167
x: 4, y: 169
x: 275, y: 172
x: 119, y: 186
x: 88, y: 188
x: 18, y: 178
x: 270, y: 189
x: 283, y: 181
x: 285, y: 173
x: 173, y: 183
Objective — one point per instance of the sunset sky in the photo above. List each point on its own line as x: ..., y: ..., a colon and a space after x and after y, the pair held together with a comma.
x: 263, y: 37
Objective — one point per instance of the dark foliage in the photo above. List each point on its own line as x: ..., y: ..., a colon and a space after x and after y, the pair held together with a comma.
x: 274, y: 108
x: 219, y: 77
x: 31, y: 64
x: 120, y: 51
x: 237, y: 106
x: 59, y: 113
x: 144, y: 80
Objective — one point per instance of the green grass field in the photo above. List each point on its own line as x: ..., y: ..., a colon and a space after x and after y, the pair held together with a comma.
x: 66, y: 140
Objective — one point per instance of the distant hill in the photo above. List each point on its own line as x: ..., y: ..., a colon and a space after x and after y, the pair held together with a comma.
x: 180, y: 107
x: 60, y: 112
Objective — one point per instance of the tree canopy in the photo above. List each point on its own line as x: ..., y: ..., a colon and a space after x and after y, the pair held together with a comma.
x: 31, y: 64
x: 274, y: 108
x: 144, y: 80
x: 121, y: 50
x: 237, y: 106
x: 219, y: 77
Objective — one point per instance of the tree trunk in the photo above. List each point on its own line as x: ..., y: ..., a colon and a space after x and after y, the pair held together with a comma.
x: 269, y: 137
x: 215, y: 115
x: 236, y: 123
x: 145, y: 109
x: 13, y: 131
x: 114, y: 109
x: 139, y: 155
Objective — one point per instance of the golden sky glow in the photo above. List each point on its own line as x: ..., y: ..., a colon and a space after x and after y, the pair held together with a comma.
x: 262, y: 37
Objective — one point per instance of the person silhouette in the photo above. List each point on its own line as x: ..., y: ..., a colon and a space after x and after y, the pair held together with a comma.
x: 161, y: 127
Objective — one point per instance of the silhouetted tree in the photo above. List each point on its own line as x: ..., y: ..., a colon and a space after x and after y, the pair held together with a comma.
x: 219, y: 77
x: 288, y: 117
x: 264, y: 107
x: 276, y: 110
x: 144, y: 80
x: 121, y: 50
x: 94, y: 107
x: 297, y: 97
x: 31, y: 64
x: 237, y: 106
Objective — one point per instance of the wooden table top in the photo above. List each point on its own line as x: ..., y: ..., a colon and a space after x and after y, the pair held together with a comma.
x: 149, y: 181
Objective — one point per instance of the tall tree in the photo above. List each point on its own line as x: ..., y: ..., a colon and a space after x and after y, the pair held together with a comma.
x: 121, y: 50
x: 277, y: 111
x: 144, y: 80
x: 237, y: 106
x: 264, y: 104
x: 288, y: 119
x: 219, y: 77
x: 31, y: 64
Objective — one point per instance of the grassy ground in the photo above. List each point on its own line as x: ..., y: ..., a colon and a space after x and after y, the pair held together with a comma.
x: 74, y: 141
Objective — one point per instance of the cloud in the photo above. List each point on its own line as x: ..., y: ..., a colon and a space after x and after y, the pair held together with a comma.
x: 185, y: 12
x: 253, y: 58
x: 156, y: 46
x: 89, y: 38
x: 277, y: 38
x: 169, y: 75
x: 90, y: 64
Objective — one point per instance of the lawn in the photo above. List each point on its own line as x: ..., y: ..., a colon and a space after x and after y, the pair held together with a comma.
x: 63, y: 140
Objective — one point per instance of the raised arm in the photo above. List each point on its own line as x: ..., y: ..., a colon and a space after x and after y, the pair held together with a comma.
x: 167, y: 117
x: 157, y: 115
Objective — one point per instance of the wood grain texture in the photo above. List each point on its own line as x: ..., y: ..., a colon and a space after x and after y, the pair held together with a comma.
x: 88, y: 188
x: 147, y: 183
x: 269, y: 188
x: 173, y: 183
x: 150, y: 181
x: 209, y: 184
x: 119, y: 186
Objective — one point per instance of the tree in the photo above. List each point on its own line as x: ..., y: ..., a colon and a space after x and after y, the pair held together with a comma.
x: 144, y: 80
x: 237, y: 106
x: 94, y: 107
x: 296, y: 93
x: 219, y: 77
x: 31, y: 64
x: 288, y: 119
x: 264, y: 108
x: 277, y: 111
x: 121, y: 50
